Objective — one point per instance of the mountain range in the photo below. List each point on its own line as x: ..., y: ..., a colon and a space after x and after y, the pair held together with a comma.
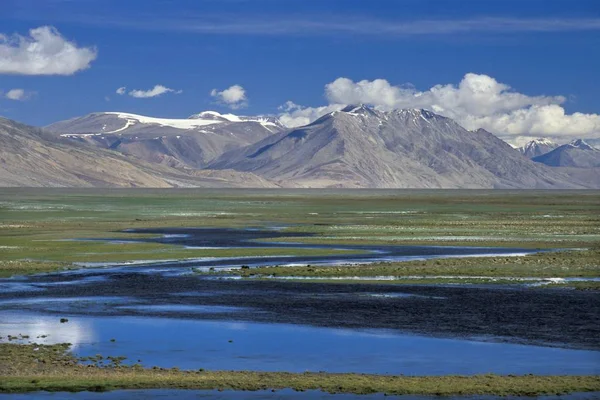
x: 191, y: 142
x: 357, y: 147
x: 36, y: 158
x: 577, y: 154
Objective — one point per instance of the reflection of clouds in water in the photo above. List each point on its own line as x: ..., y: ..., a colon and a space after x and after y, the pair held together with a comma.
x: 236, y: 326
x: 380, y: 334
x: 75, y: 331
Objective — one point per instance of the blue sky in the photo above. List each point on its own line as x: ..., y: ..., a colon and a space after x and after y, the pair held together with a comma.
x: 288, y: 50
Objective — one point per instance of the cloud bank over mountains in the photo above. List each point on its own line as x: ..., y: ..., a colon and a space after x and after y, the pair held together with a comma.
x: 44, y: 52
x: 478, y: 101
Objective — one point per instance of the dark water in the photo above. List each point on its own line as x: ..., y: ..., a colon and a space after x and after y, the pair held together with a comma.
x: 548, y: 317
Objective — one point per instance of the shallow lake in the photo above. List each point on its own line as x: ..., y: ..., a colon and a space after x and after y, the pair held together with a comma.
x: 230, y: 345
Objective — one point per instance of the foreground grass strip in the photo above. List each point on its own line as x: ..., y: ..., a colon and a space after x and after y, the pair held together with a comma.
x: 32, y: 367
x: 332, y: 383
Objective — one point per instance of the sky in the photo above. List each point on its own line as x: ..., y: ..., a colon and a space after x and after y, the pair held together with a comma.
x: 520, y: 69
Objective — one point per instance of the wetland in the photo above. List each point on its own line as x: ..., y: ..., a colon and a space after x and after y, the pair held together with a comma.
x: 303, y: 289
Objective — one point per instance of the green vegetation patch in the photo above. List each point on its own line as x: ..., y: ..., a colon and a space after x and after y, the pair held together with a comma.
x: 9, y: 268
x: 36, y: 223
x: 54, y: 256
x: 562, y: 264
x: 32, y: 367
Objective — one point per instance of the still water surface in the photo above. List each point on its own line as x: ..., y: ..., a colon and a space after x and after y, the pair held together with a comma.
x: 230, y: 345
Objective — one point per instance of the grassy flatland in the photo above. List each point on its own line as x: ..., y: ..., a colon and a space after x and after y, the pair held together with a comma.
x: 562, y: 264
x: 30, y: 255
x: 477, y: 270
x: 34, y: 221
x: 32, y: 367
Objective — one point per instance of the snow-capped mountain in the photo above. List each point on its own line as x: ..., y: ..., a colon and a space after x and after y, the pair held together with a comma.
x: 537, y: 147
x: 357, y: 146
x: 264, y: 120
x: 32, y: 157
x: 594, y: 142
x: 362, y: 147
x: 187, y: 142
x: 578, y: 154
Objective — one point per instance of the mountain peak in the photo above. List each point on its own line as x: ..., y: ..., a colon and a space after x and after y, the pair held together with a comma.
x: 538, y: 147
x: 581, y: 144
x: 265, y: 120
x: 206, y: 115
x: 576, y: 154
x: 356, y: 108
x: 542, y: 141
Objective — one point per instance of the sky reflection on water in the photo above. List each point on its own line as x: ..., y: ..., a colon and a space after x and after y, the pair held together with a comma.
x: 230, y: 345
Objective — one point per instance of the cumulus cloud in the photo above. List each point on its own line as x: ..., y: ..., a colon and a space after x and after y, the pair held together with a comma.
x: 44, y: 52
x: 157, y: 90
x: 478, y: 101
x: 18, y: 94
x: 120, y: 91
x: 293, y: 115
x: 233, y: 97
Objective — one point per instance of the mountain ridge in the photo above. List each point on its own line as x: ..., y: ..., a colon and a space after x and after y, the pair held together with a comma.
x: 362, y: 147
x: 576, y: 154
x: 191, y: 142
x: 32, y: 157
x: 538, y: 147
x: 355, y: 147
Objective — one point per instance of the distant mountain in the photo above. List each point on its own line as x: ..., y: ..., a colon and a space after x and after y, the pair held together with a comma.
x: 191, y: 142
x: 362, y: 147
x: 538, y: 147
x: 577, y: 154
x: 357, y: 147
x: 594, y: 142
x: 32, y: 157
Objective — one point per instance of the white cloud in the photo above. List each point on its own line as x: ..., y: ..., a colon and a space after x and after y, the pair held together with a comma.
x: 343, y: 23
x: 157, y: 90
x: 120, y: 91
x: 18, y: 94
x: 478, y: 101
x: 233, y: 97
x: 44, y: 52
x: 294, y: 115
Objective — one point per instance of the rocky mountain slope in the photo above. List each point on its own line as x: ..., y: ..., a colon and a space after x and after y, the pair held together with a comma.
x: 357, y: 147
x: 191, y: 142
x: 362, y: 147
x: 577, y: 154
x: 32, y: 157
x: 538, y: 147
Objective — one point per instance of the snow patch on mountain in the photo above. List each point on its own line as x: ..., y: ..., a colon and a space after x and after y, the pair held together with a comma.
x: 581, y: 144
x: 265, y: 121
x: 538, y: 147
x: 174, y: 123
